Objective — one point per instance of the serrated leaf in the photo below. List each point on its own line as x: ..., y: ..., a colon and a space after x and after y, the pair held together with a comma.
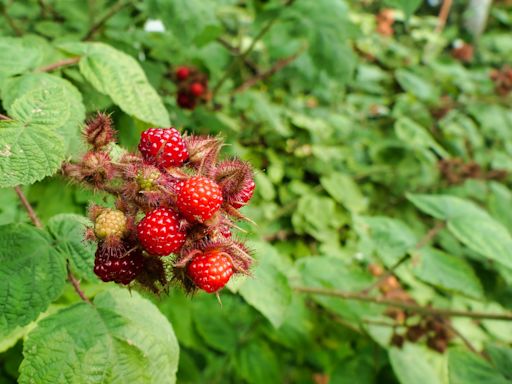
x: 16, y: 56
x: 68, y: 231
x: 120, y: 76
x: 447, y: 272
x: 118, y: 345
x: 32, y: 275
x: 467, y: 368
x: 469, y: 224
x: 70, y: 106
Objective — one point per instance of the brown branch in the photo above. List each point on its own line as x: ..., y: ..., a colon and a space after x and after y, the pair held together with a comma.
x: 30, y: 211
x: 76, y: 284
x: 59, y: 64
x: 99, y: 24
x: 408, y: 306
x: 429, y: 236
x: 280, y: 64
x: 244, y: 55
x: 3, y: 117
x: 443, y: 15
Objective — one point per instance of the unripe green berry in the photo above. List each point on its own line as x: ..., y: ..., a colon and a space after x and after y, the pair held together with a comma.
x: 110, y: 222
x: 148, y: 183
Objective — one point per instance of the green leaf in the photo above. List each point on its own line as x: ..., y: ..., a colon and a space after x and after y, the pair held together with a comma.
x: 447, y: 272
x: 344, y: 190
x: 71, y: 106
x: 417, y: 85
x: 415, y: 364
x: 414, y: 135
x: 123, y: 338
x: 467, y: 368
x: 68, y: 230
x: 268, y: 289
x: 30, y: 148
x: 501, y: 357
x: 469, y: 224
x: 32, y: 275
x: 120, y: 76
x: 407, y: 6
x: 250, y: 360
x: 17, y: 56
x: 390, y: 238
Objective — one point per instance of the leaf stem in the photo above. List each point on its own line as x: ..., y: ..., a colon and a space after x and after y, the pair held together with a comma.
x: 59, y: 64
x: 408, y: 306
x: 76, y: 284
x: 3, y: 117
x: 30, y: 211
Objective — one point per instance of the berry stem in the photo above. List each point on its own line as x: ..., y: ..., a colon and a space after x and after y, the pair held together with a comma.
x: 415, y: 308
x: 420, y: 244
x: 30, y: 211
x: 76, y: 284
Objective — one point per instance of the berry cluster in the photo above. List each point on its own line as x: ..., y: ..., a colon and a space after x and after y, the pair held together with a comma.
x: 192, y: 87
x: 176, y: 204
x: 436, y: 331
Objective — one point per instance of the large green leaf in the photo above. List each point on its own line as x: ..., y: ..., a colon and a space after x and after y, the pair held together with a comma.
x: 345, y: 191
x: 250, y: 362
x: 120, y: 76
x: 71, y: 106
x: 17, y: 56
x: 32, y: 275
x: 466, y: 368
x: 414, y: 135
x: 30, y: 147
x: 68, y: 230
x: 470, y: 224
x: 123, y: 338
x: 447, y: 272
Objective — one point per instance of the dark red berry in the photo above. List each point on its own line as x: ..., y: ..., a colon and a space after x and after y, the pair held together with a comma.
x: 198, y: 198
x: 182, y: 73
x: 122, y: 269
x: 210, y: 271
x: 197, y: 89
x: 159, y: 232
x: 163, y: 147
x: 185, y: 100
x: 245, y: 194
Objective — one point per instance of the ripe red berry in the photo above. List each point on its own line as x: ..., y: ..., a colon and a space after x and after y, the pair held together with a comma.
x: 159, y: 232
x: 163, y: 147
x: 210, y: 271
x: 198, y: 198
x: 182, y: 73
x: 185, y: 100
x: 119, y: 269
x: 245, y: 195
x: 197, y: 89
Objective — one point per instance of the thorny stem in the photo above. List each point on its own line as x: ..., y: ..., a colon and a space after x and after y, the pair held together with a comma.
x: 30, y: 211
x: 111, y: 12
x: 37, y: 223
x: 408, y: 306
x: 76, y: 284
x: 243, y: 56
x: 59, y: 64
x: 423, y: 241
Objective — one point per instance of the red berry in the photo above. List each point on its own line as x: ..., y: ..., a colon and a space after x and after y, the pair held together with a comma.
x: 185, y: 100
x: 197, y: 89
x: 119, y: 269
x: 210, y: 271
x: 245, y: 195
x: 182, y: 73
x: 159, y: 232
x: 198, y: 198
x: 163, y: 147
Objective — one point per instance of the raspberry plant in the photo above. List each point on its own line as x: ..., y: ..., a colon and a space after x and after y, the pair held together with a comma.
x: 359, y: 151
